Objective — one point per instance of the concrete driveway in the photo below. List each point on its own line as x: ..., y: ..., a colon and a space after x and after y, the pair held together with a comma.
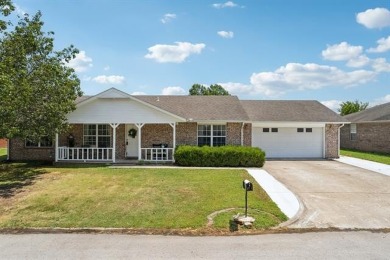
x: 334, y: 194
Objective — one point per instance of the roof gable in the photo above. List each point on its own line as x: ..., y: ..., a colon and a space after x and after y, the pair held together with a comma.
x: 377, y: 113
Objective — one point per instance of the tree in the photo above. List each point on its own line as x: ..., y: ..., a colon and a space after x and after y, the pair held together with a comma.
x: 213, y: 90
x: 37, y: 87
x: 349, y: 107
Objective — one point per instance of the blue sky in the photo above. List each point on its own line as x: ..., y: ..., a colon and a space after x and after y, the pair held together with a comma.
x: 331, y: 51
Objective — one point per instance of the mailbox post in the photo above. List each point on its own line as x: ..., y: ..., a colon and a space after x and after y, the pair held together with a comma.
x: 248, y: 186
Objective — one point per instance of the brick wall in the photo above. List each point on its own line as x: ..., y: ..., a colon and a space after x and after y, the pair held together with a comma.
x: 156, y: 134
x: 120, y: 146
x: 18, y: 152
x: 187, y: 133
x: 331, y: 141
x: 3, y: 143
x: 233, y: 133
x: 248, y: 134
x: 370, y: 137
x: 77, y: 131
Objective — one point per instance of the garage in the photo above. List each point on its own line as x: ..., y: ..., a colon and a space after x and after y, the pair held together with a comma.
x: 289, y: 142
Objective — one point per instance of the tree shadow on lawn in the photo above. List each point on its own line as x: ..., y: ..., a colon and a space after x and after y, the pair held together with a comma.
x: 15, y: 176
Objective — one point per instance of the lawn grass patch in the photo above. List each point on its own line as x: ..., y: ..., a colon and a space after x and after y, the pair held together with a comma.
x: 370, y: 156
x: 135, y: 198
x: 3, y: 154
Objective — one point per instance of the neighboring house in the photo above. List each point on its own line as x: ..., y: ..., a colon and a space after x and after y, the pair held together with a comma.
x: 115, y: 126
x: 369, y: 130
x: 3, y: 143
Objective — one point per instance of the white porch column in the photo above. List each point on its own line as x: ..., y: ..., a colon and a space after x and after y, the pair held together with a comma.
x: 56, y: 148
x: 114, y: 126
x: 174, y: 139
x: 139, y: 126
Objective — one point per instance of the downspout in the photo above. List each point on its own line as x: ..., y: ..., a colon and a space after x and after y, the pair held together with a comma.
x: 242, y: 133
x: 339, y: 140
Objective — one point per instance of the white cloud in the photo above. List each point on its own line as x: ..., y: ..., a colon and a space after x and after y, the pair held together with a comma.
x: 299, y: 77
x: 173, y: 91
x: 224, y: 5
x: 237, y: 88
x: 342, y: 51
x: 225, y: 34
x: 168, y: 17
x: 381, y: 65
x: 113, y: 79
x: 138, y: 93
x: 358, y: 62
x: 81, y: 63
x: 19, y: 10
x: 383, y: 45
x: 381, y: 100
x: 374, y: 18
x: 174, y: 53
x: 332, y: 104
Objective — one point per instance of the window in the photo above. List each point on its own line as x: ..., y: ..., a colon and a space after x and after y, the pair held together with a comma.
x: 274, y: 130
x: 44, y: 141
x: 309, y: 130
x: 265, y: 130
x: 353, y: 132
x: 97, y: 135
x: 300, y: 130
x: 211, y: 135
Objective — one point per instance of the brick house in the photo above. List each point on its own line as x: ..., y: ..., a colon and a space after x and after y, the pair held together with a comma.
x: 368, y: 131
x: 114, y: 126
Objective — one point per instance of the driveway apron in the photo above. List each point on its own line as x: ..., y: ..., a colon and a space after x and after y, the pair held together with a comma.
x: 334, y: 194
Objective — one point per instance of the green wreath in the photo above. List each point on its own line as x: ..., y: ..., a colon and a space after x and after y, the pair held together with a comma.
x: 132, y: 132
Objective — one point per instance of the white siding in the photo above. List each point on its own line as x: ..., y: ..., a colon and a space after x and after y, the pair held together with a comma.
x: 288, y: 143
x: 107, y: 110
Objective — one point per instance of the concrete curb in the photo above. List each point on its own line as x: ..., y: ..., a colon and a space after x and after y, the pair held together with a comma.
x: 287, y: 201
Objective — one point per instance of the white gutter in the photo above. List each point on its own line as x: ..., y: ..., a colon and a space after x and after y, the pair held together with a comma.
x: 242, y: 133
x: 339, y: 140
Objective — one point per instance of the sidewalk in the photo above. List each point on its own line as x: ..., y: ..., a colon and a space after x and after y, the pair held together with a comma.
x: 368, y: 165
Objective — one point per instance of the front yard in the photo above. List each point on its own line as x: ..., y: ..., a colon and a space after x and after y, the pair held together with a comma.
x: 145, y: 199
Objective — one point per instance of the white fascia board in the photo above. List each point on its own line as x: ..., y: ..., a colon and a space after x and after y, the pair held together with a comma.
x: 216, y: 122
x: 288, y: 124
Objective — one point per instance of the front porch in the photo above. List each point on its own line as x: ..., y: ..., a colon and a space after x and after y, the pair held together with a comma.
x: 115, y: 141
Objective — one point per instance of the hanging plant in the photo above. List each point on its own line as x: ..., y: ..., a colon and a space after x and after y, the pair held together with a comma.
x: 132, y: 132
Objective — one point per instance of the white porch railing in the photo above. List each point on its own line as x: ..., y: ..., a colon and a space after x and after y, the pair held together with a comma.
x: 157, y: 154
x: 84, y: 154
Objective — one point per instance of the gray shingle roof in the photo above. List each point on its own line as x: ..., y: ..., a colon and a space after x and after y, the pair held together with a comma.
x: 377, y: 113
x: 81, y: 99
x: 200, y: 107
x: 290, y: 111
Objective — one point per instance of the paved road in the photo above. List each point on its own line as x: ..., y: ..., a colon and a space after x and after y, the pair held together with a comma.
x: 323, y: 245
x: 335, y: 194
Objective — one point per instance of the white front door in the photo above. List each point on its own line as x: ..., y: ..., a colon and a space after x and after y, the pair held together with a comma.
x: 131, y: 143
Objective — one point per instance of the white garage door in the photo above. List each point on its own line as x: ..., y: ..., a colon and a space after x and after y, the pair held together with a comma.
x: 289, y: 142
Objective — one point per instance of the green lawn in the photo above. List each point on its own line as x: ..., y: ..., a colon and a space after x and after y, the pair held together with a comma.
x: 145, y: 198
x: 3, y: 154
x: 375, y: 157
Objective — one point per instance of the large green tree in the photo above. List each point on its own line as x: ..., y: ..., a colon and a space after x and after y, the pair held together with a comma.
x: 349, y: 107
x: 213, y: 90
x: 37, y: 87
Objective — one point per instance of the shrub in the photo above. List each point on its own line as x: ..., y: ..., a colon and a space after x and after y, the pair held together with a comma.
x: 222, y: 156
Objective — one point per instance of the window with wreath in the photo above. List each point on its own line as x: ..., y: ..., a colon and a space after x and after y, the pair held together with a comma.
x: 44, y: 141
x: 211, y: 135
x: 97, y: 135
